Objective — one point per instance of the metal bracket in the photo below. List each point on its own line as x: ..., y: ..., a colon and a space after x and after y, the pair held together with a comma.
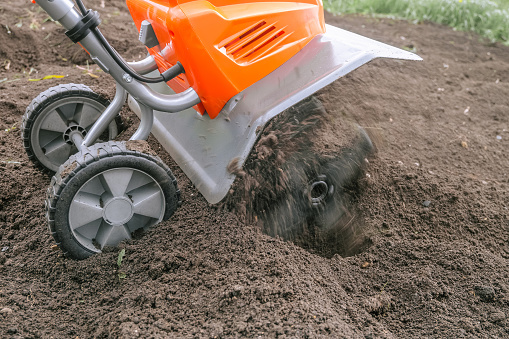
x: 147, y: 35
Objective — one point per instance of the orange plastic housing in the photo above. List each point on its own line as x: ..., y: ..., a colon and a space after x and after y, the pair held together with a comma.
x: 226, y: 46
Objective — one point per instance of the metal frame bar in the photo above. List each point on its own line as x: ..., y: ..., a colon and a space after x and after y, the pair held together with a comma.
x: 106, y: 117
x: 63, y: 11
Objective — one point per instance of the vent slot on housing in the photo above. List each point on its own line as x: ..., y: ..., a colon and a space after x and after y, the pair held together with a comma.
x: 253, y: 42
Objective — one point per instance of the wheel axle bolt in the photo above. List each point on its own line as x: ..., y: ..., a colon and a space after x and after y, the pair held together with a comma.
x: 127, y: 78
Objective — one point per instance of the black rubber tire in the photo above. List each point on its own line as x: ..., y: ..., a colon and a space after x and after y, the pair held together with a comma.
x: 50, y: 97
x: 86, y: 164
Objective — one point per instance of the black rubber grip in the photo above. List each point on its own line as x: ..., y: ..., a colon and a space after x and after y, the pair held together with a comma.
x: 173, y: 71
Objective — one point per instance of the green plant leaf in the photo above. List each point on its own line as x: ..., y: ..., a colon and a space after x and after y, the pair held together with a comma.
x: 121, y: 255
x: 48, y: 77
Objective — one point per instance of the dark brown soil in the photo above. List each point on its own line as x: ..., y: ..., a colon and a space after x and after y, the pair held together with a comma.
x: 433, y: 207
x: 305, y: 152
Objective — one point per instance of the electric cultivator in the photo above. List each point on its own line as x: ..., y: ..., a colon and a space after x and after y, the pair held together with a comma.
x: 217, y: 72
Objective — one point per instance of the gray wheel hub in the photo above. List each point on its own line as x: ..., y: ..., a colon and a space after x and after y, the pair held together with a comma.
x: 72, y: 130
x: 118, y: 211
x: 52, y: 130
x: 112, y: 205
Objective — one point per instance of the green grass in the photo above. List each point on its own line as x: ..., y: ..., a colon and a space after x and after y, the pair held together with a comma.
x: 503, y: 3
x: 488, y: 18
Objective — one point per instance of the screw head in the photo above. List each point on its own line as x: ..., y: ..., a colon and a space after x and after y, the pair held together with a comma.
x: 127, y: 78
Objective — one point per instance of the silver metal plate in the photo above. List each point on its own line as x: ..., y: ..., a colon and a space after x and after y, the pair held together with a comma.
x: 204, y: 148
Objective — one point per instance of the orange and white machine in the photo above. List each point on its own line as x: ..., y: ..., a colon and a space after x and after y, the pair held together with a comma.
x: 216, y: 72
x: 225, y: 46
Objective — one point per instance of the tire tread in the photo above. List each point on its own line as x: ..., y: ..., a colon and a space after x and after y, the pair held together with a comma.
x: 85, y: 158
x: 43, y: 100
